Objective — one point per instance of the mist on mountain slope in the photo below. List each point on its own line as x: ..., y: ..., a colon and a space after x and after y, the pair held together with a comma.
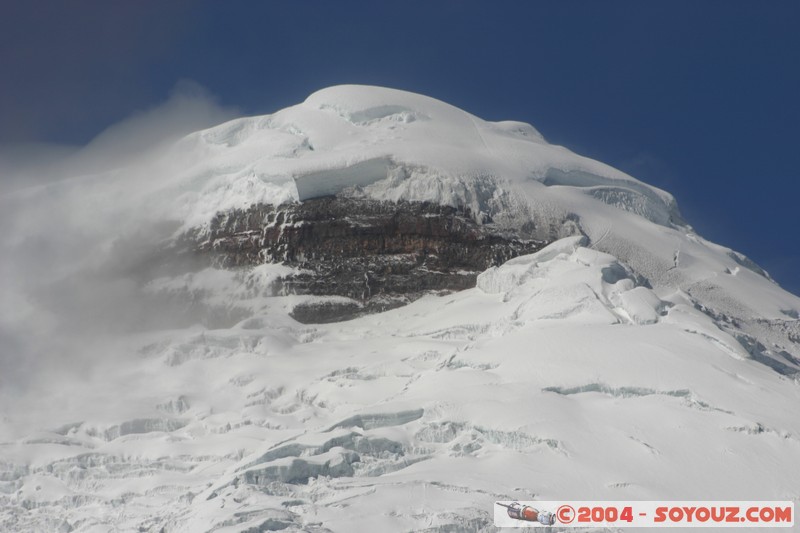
x: 68, y: 286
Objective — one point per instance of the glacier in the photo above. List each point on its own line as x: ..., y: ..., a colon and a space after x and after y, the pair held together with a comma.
x: 630, y: 359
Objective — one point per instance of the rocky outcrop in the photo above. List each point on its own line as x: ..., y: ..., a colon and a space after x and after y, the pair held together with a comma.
x: 376, y: 254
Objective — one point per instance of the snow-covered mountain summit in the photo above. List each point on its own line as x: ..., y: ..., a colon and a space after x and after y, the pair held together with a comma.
x: 349, y: 136
x: 529, y: 323
x: 399, y: 146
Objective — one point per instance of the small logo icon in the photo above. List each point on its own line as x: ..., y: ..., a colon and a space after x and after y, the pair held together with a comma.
x: 527, y: 513
x: 565, y: 514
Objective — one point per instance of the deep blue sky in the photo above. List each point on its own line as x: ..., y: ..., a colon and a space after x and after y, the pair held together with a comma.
x: 699, y: 98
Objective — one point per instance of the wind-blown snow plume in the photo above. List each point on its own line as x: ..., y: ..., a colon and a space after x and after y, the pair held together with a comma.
x: 68, y: 288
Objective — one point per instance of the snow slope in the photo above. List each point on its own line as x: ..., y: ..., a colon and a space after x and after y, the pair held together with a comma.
x: 610, y: 365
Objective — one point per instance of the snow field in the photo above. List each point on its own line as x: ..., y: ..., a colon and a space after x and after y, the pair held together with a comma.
x: 538, y: 383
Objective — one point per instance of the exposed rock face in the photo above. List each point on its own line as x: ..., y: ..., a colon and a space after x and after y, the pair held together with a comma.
x: 378, y: 254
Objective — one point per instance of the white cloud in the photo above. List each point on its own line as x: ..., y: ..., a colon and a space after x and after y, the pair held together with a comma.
x: 62, y: 210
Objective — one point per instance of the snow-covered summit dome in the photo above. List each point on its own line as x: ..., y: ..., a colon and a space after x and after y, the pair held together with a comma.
x: 363, y: 104
x: 398, y: 145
